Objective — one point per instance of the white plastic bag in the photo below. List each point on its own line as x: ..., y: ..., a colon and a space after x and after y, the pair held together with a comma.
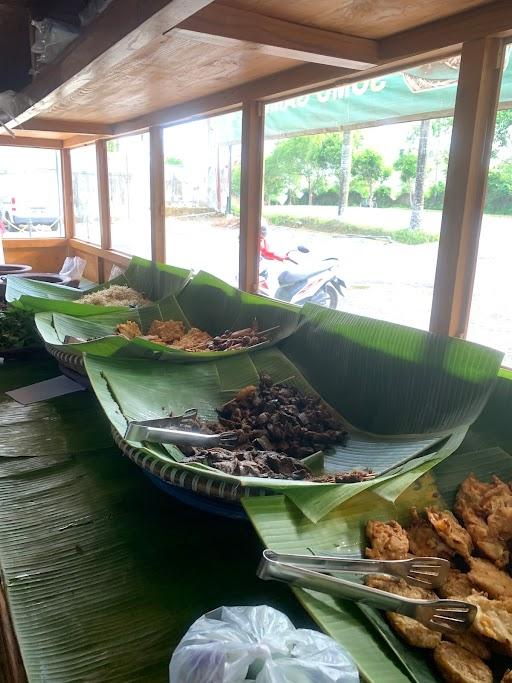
x: 73, y: 267
x: 259, y: 644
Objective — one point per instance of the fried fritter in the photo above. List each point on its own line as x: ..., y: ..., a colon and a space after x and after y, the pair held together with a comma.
x: 498, y: 494
x: 469, y: 641
x: 507, y: 677
x: 450, y: 531
x: 471, y: 505
x: 487, y: 577
x: 456, y: 585
x: 500, y: 522
x: 168, y: 330
x: 457, y: 665
x: 424, y: 541
x: 493, y: 619
x: 414, y: 633
x: 388, y: 540
x: 194, y: 340
x: 129, y: 329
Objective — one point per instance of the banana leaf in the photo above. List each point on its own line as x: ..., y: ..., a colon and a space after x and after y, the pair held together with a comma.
x: 155, y: 280
x: 206, y: 302
x: 362, y: 630
x: 139, y: 390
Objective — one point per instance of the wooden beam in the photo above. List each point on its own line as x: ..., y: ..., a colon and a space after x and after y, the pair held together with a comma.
x: 493, y: 19
x: 67, y: 194
x: 125, y: 28
x: 157, y: 188
x: 8, y: 141
x: 36, y: 242
x: 284, y: 83
x: 80, y: 141
x: 58, y: 126
x: 231, y: 26
x: 105, y: 254
x: 251, y: 193
x: 472, y: 135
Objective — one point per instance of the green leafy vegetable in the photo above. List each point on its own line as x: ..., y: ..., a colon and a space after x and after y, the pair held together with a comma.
x: 17, y: 329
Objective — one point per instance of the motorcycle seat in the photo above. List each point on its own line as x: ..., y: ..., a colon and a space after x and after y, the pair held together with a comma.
x: 289, y: 277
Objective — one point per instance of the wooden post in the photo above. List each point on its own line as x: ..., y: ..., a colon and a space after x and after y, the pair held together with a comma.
x: 157, y: 184
x: 251, y: 192
x: 473, y: 129
x: 104, y: 202
x: 67, y: 194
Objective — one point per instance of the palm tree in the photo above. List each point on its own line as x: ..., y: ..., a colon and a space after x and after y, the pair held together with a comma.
x: 421, y: 166
x: 345, y: 170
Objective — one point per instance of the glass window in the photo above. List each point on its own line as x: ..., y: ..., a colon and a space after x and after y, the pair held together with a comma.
x: 30, y: 192
x: 355, y: 175
x: 490, y: 321
x: 129, y: 188
x: 85, y: 194
x: 202, y: 191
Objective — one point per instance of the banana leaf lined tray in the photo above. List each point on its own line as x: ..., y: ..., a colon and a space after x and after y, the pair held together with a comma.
x: 206, y: 303
x: 155, y: 280
x: 407, y: 398
x: 379, y: 654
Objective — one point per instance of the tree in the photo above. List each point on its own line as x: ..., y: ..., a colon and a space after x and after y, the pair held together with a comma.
x: 335, y: 159
x: 421, y: 166
x: 502, y: 129
x: 369, y: 169
x: 406, y: 165
x: 345, y: 170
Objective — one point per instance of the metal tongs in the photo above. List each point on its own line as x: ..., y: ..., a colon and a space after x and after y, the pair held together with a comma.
x: 167, y: 430
x: 306, y: 571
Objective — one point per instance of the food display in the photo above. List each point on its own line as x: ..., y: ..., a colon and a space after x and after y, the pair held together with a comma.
x: 275, y: 427
x: 115, y: 295
x: 475, y: 540
x: 17, y: 329
x: 172, y: 333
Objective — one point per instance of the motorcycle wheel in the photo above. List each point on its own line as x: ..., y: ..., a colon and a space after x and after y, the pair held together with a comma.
x: 331, y: 295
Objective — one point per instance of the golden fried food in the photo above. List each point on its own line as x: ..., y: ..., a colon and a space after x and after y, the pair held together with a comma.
x: 507, y: 677
x: 471, y: 642
x: 388, y: 540
x: 497, y: 494
x: 194, y: 340
x: 410, y: 630
x: 456, y: 585
x: 487, y: 577
x: 129, y: 329
x: 457, y: 665
x: 472, y: 505
x: 424, y: 541
x: 493, y: 619
x: 167, y: 330
x: 450, y: 531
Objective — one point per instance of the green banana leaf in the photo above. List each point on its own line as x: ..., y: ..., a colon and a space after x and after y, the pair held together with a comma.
x: 139, y: 390
x: 206, y: 302
x: 362, y: 630
x: 155, y: 280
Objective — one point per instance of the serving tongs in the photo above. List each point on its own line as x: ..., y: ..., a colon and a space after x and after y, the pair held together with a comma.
x: 306, y: 571
x: 167, y: 430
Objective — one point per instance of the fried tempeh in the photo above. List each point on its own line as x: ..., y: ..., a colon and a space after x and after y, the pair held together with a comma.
x: 457, y: 665
x: 487, y: 577
x: 456, y: 585
x: 414, y: 633
x: 471, y: 642
x: 129, y: 329
x: 168, y: 330
x: 493, y: 619
x: 424, y: 540
x: 451, y: 532
x: 388, y: 540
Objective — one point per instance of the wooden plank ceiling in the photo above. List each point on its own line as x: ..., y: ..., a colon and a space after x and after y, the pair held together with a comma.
x: 206, y: 48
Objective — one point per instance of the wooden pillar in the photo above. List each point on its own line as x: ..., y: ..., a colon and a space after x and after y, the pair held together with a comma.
x: 157, y: 184
x: 104, y: 203
x: 67, y: 194
x: 251, y: 192
x: 473, y: 129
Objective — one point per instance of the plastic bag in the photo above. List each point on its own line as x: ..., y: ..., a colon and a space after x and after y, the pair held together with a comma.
x: 259, y: 644
x: 51, y: 38
x: 73, y: 268
x: 115, y: 271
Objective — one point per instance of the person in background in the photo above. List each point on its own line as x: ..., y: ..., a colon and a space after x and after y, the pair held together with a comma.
x: 265, y: 250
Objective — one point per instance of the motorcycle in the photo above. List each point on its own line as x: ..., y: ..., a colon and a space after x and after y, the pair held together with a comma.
x: 316, y: 282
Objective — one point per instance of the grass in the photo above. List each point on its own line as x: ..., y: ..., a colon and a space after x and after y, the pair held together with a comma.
x: 339, y: 227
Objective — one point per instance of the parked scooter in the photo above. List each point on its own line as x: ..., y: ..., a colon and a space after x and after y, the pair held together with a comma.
x: 315, y: 282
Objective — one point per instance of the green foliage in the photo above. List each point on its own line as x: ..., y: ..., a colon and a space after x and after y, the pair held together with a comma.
x: 406, y: 165
x: 174, y: 161
x: 434, y: 197
x: 369, y: 169
x: 502, y: 129
x: 383, y: 197
x: 236, y: 174
x: 17, y: 328
x: 339, y: 227
x: 499, y: 190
